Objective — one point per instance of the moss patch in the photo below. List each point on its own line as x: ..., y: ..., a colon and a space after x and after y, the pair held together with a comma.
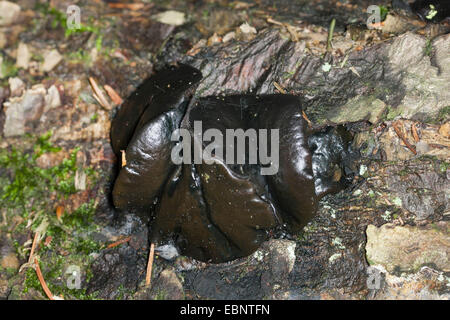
x: 31, y: 194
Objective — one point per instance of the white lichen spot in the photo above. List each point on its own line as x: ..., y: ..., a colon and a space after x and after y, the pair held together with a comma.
x: 259, y: 255
x: 330, y: 210
x: 362, y: 170
x: 386, y: 216
x: 337, y: 242
x: 334, y: 257
x: 290, y: 250
x: 397, y: 201
x: 246, y: 28
x: 326, y: 67
x: 171, y: 17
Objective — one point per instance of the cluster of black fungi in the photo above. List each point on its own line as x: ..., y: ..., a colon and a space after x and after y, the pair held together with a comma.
x: 219, y: 212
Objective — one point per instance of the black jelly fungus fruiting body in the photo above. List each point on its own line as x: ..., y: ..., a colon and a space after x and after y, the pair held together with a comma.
x: 331, y: 159
x: 217, y: 211
x: 163, y: 91
x: 142, y: 128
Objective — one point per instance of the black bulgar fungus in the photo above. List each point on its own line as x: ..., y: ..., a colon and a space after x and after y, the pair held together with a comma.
x: 292, y: 186
x: 217, y: 211
x: 332, y: 163
x: 143, y: 127
x: 167, y: 90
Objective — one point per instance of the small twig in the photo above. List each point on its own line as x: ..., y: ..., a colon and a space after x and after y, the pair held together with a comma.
x: 113, y: 94
x: 292, y: 32
x: 98, y: 94
x: 59, y: 212
x: 437, y: 146
x: 130, y: 6
x: 330, y: 34
x: 42, y: 281
x: 33, y: 246
x: 279, y: 87
x: 402, y: 137
x: 278, y: 23
x: 352, y: 69
x: 97, y: 99
x: 344, y: 61
x: 115, y: 244
x: 148, y: 277
x: 306, y: 118
x: 414, y: 133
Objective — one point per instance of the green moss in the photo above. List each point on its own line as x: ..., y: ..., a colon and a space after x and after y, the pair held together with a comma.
x: 123, y: 292
x: 83, y: 216
x: 29, y: 184
x: 77, y: 248
x: 79, y: 56
x: 427, y: 157
x: 94, y: 118
x: 443, y: 166
x: 370, y: 262
x: 392, y: 113
x: 32, y: 281
x: 58, y: 19
x: 444, y: 114
x: 8, y: 68
x: 428, y: 48
x: 288, y: 74
x: 383, y: 12
x: 28, y: 189
x: 160, y: 295
x: 205, y: 14
x: 10, y: 272
x: 60, y: 289
x: 404, y: 172
x: 37, y: 57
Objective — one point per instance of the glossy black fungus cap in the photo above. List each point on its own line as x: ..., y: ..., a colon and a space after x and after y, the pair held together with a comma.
x: 214, y: 212
x: 142, y: 128
x: 167, y: 90
x: 292, y: 186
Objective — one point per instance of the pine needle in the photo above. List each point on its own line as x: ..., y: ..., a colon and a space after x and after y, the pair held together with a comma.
x: 42, y: 281
x: 279, y: 87
x: 306, y: 118
x: 330, y: 34
x: 399, y: 133
x: 414, y: 133
x: 115, y: 244
x: 124, y: 159
x: 113, y: 95
x: 148, y: 277
x: 33, y: 246
x: 98, y: 94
